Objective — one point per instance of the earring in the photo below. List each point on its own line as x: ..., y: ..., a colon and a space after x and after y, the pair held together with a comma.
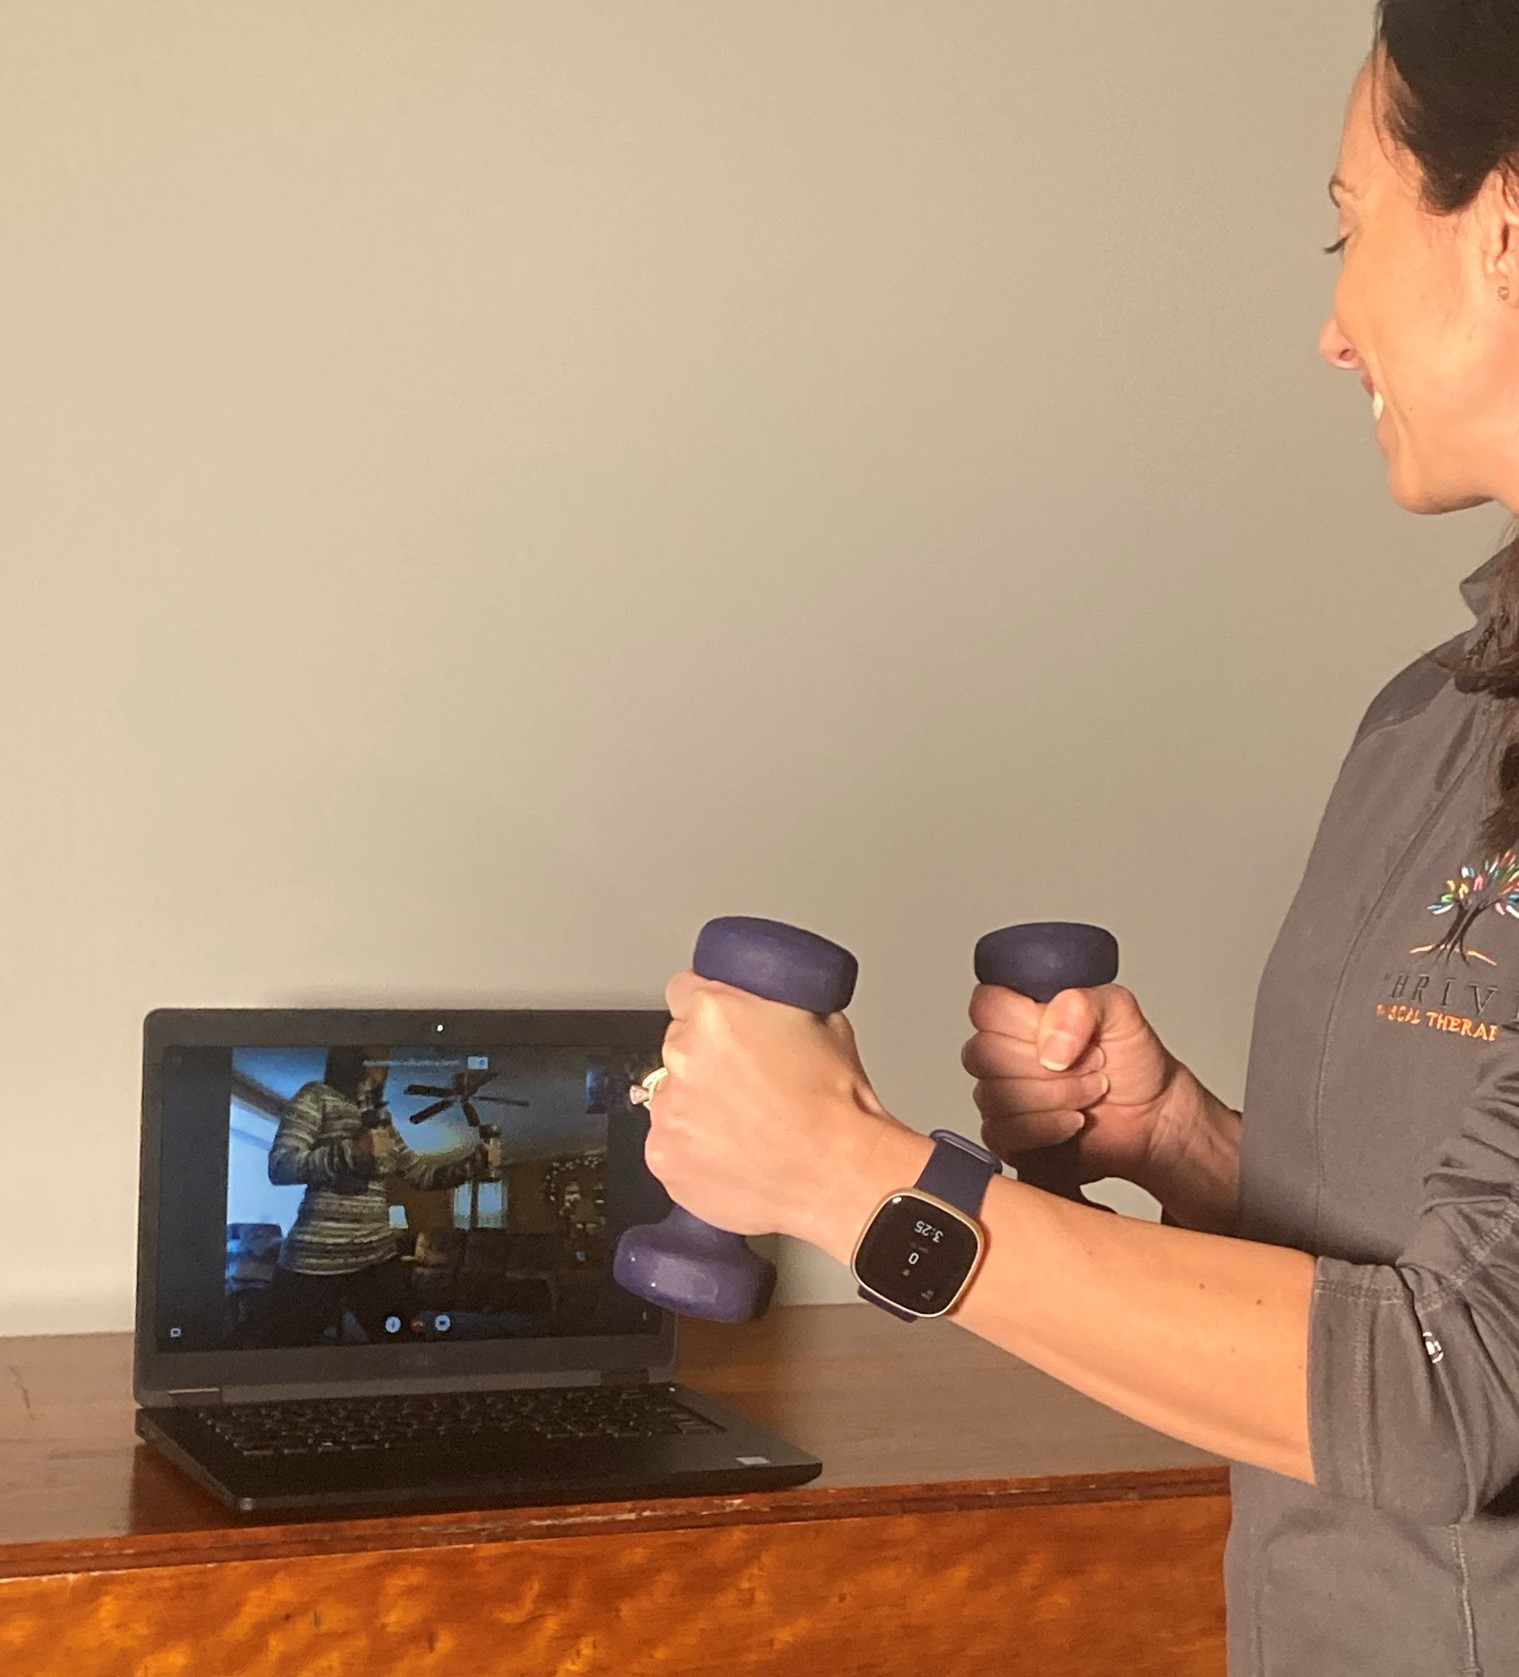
x: 1503, y: 293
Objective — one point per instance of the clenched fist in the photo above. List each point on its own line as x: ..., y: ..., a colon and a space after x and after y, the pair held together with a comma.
x: 1086, y: 1064
x: 376, y: 1150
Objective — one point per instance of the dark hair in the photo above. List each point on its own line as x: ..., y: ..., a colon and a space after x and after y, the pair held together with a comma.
x: 345, y: 1070
x: 1452, y: 102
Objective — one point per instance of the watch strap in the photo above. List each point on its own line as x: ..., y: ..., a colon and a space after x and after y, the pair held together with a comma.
x: 958, y: 1171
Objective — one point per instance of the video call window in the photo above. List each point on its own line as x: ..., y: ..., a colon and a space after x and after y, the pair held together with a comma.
x: 379, y: 1194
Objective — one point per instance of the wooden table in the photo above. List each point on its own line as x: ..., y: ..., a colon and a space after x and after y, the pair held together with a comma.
x: 973, y: 1517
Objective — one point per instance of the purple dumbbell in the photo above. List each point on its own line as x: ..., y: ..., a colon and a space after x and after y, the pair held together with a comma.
x: 1040, y: 961
x: 684, y: 1264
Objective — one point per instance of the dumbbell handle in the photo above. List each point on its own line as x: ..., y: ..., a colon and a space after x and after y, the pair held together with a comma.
x: 684, y: 1264
x: 1040, y: 960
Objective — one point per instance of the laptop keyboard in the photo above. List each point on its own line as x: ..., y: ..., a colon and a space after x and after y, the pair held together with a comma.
x: 443, y: 1420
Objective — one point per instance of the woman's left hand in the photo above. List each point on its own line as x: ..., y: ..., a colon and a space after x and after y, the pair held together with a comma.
x: 766, y: 1110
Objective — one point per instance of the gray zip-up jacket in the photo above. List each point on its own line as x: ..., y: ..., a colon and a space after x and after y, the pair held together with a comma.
x: 1381, y: 1135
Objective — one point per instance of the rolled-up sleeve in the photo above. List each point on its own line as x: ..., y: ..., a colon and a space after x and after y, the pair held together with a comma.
x: 1413, y: 1366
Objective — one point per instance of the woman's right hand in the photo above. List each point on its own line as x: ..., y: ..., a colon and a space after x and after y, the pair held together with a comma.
x: 376, y: 1150
x: 1087, y: 1064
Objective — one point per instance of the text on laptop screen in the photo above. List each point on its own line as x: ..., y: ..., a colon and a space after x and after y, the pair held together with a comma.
x: 367, y: 1194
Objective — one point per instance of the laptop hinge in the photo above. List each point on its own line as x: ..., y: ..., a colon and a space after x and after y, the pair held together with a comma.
x: 624, y: 1377
x: 191, y: 1397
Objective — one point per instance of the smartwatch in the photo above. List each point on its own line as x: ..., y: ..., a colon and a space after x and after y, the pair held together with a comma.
x: 918, y: 1252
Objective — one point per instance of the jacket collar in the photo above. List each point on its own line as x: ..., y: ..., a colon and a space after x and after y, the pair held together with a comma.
x: 1479, y: 587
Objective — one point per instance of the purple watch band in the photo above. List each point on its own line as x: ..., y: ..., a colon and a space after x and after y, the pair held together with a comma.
x: 958, y: 1171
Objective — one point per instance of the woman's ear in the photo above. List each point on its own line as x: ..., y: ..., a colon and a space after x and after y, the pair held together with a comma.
x: 1502, y: 214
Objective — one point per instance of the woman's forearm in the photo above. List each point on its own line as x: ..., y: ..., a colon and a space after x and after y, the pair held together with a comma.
x: 1199, y: 1336
x: 1194, y: 1168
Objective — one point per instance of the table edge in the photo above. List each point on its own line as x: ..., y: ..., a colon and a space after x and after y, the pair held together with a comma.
x: 308, y: 1539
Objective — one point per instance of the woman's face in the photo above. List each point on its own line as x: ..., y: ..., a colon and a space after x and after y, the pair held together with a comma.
x: 1419, y: 317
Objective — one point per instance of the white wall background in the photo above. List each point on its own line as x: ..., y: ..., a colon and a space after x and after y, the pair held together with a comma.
x: 485, y: 487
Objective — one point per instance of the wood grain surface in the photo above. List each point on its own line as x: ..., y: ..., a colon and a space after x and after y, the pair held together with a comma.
x: 971, y: 1511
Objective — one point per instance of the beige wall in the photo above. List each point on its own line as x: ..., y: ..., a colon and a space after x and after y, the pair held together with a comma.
x: 487, y: 486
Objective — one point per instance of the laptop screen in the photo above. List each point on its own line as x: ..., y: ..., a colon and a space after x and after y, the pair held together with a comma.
x: 386, y: 1193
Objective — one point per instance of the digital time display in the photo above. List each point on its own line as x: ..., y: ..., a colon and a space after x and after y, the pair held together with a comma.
x: 916, y: 1255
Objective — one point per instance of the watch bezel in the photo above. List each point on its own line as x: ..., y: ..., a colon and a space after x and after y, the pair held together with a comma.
x: 944, y: 1206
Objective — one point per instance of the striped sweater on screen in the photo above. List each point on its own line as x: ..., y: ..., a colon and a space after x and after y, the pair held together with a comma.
x: 344, y: 1221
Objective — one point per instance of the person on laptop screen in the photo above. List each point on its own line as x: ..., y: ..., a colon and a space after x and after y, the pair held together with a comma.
x: 337, y: 1138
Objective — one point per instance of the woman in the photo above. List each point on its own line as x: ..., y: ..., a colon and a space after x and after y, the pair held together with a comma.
x: 341, y: 1253
x: 1333, y: 1303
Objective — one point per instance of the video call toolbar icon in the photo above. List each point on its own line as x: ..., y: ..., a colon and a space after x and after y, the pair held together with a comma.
x: 392, y: 1324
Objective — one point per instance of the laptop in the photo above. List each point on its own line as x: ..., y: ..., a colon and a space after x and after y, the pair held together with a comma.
x: 375, y: 1266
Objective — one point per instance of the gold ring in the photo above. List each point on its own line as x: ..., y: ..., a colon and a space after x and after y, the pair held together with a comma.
x: 642, y: 1093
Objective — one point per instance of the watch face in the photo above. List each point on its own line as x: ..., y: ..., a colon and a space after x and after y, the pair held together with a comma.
x: 916, y: 1254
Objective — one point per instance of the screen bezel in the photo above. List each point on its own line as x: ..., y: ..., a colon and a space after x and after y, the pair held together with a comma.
x: 161, y: 1377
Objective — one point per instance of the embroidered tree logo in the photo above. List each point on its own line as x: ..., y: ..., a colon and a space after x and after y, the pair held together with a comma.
x: 1495, y: 885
